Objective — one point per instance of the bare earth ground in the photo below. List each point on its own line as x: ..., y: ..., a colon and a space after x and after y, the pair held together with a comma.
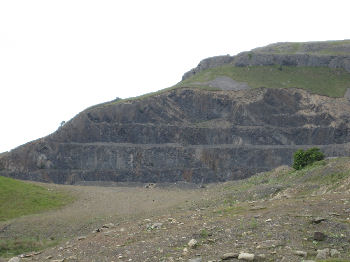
x: 93, y: 207
x: 269, y: 225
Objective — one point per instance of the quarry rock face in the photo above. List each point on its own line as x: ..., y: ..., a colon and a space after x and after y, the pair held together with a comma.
x: 185, y: 135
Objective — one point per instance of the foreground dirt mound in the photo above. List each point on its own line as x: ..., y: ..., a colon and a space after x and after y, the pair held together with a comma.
x: 185, y: 134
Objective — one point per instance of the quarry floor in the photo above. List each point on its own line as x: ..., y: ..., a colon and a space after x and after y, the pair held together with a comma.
x: 134, y: 223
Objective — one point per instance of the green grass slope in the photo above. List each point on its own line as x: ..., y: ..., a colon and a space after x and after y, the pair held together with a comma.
x: 14, y: 247
x: 19, y: 198
x: 318, y: 80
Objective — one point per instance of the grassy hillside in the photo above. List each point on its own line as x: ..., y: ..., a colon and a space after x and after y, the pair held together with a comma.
x: 330, y: 175
x: 19, y: 198
x: 319, y: 80
x: 292, y: 199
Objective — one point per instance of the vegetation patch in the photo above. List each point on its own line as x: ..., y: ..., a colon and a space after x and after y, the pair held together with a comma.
x: 231, y: 210
x: 204, y: 233
x: 19, y: 198
x: 9, y: 248
x: 303, y: 158
x: 318, y: 80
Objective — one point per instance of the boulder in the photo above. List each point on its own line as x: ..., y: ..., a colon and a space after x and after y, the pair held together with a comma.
x: 15, y: 259
x: 323, y: 253
x: 246, y: 256
x: 192, y: 243
x: 229, y: 256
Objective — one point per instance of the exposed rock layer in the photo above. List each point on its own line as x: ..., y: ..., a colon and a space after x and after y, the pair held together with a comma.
x: 185, y: 134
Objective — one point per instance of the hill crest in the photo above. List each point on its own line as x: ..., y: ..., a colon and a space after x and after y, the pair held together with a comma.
x: 332, y: 54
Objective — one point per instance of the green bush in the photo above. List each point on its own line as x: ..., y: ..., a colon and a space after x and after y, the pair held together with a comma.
x: 303, y: 158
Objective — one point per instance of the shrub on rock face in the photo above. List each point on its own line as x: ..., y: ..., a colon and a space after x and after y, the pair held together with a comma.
x: 303, y: 158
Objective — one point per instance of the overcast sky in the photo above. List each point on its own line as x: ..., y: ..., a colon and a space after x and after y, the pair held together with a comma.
x: 59, y: 57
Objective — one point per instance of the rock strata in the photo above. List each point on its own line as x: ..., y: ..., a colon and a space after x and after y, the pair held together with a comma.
x: 185, y: 135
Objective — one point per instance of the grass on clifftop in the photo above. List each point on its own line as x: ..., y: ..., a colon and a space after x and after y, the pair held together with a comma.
x: 113, y: 102
x: 19, y: 198
x: 336, y: 47
x: 318, y: 80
